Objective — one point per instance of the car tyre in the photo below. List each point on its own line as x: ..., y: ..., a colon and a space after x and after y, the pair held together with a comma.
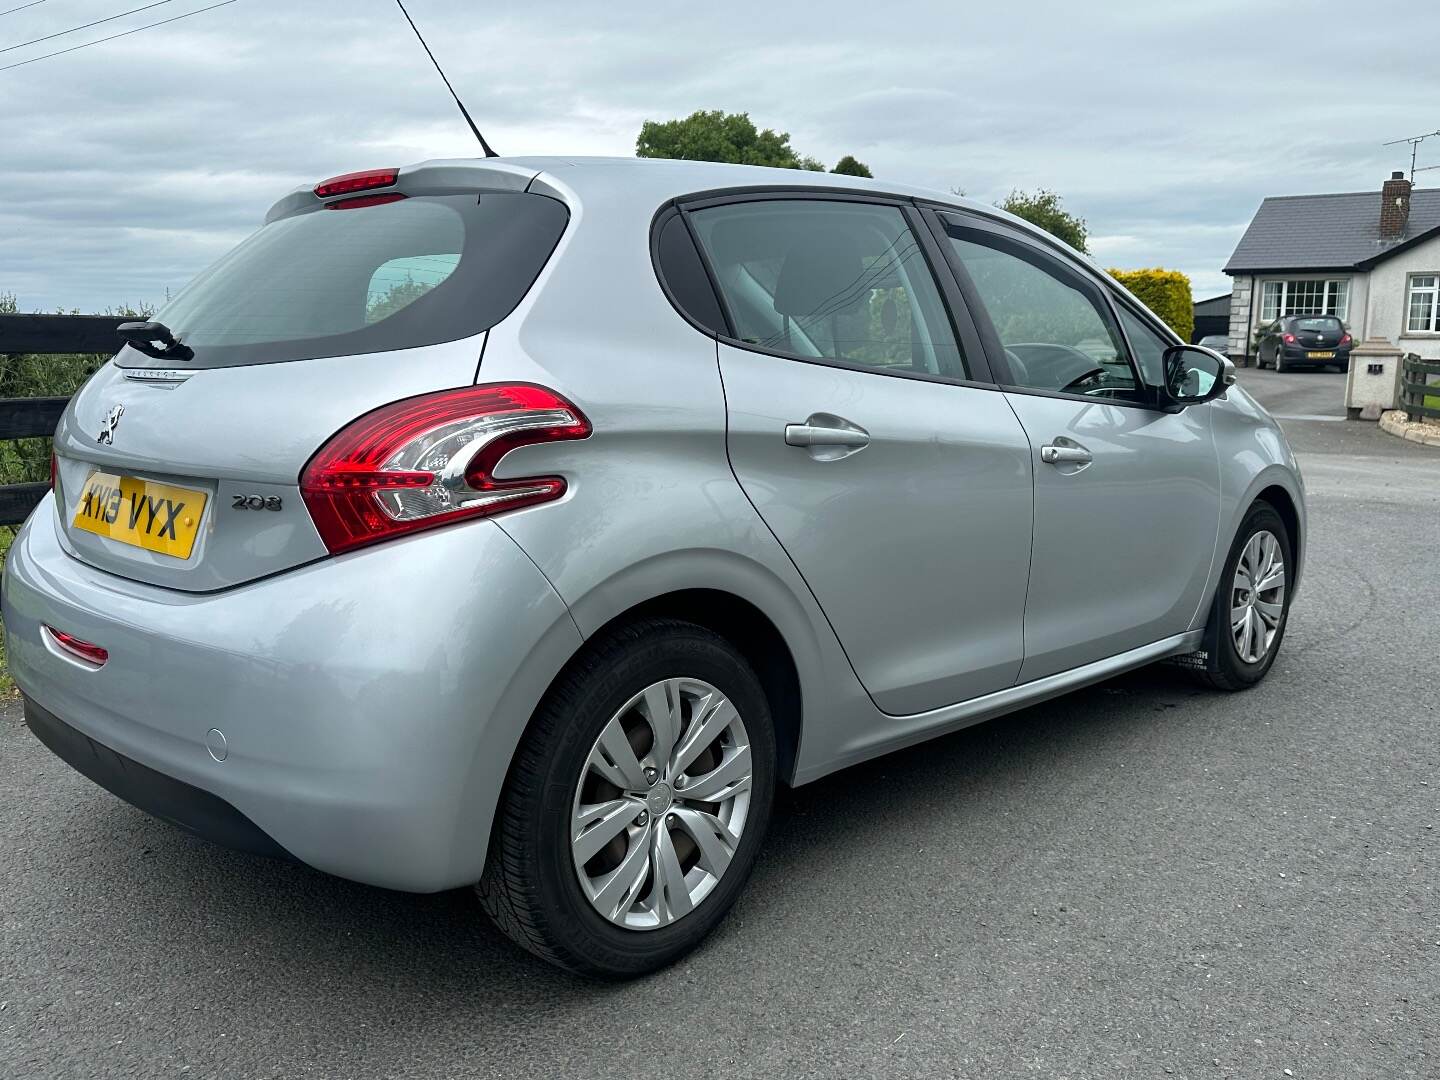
x: 1280, y: 365
x: 534, y: 887
x: 1233, y: 662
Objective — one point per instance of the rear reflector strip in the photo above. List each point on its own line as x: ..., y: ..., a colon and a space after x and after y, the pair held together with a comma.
x: 85, y: 650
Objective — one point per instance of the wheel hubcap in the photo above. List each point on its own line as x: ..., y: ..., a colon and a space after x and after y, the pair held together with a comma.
x: 661, y: 804
x: 1257, y: 598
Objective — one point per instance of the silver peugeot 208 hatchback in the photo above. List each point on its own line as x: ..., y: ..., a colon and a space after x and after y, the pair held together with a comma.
x: 528, y: 521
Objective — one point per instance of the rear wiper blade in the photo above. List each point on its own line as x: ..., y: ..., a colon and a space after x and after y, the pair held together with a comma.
x: 154, y: 339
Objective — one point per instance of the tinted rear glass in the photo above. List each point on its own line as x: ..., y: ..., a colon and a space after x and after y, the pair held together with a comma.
x: 1324, y: 326
x: 397, y: 275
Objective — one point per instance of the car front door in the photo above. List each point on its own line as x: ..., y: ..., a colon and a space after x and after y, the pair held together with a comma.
x: 865, y: 430
x: 1127, y: 502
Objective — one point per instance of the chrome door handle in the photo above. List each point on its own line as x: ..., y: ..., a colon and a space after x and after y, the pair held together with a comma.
x: 1065, y: 455
x: 809, y: 435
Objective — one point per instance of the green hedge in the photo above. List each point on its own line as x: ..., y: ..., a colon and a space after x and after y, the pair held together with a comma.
x: 1166, y: 293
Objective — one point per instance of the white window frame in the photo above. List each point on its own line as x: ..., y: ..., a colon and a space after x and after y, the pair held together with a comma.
x: 1430, y: 289
x: 1277, y: 296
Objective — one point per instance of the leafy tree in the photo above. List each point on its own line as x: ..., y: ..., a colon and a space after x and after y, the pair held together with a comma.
x: 399, y: 295
x: 729, y: 137
x: 848, y: 166
x: 1042, y: 208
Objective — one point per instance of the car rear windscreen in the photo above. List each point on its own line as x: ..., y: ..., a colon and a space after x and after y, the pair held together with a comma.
x: 1327, y: 325
x: 330, y: 282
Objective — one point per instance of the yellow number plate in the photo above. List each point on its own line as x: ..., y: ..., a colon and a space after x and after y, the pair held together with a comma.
x: 156, y: 517
x: 1320, y: 356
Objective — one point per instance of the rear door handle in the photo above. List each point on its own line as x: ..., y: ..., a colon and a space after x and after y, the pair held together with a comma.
x: 812, y: 435
x: 1054, y: 454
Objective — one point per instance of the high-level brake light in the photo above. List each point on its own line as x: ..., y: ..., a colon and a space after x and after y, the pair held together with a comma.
x: 349, y: 183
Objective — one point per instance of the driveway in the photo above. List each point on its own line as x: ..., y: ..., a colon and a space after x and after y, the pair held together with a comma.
x: 1142, y: 879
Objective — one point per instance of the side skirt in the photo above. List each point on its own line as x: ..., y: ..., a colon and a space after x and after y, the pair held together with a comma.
x: 918, y: 727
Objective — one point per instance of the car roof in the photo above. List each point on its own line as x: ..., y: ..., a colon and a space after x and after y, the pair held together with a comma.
x: 648, y: 183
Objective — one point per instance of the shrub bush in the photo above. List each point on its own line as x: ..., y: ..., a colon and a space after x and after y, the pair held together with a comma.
x: 24, y: 375
x: 1166, y: 293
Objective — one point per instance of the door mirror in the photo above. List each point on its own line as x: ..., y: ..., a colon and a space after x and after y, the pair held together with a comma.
x: 1195, y: 374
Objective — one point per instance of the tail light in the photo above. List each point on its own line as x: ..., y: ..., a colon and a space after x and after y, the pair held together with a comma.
x: 430, y: 460
x: 54, y: 469
x: 1289, y: 339
x: 1345, y: 340
x: 69, y: 643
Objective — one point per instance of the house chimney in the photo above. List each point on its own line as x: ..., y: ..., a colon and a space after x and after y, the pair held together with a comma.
x: 1394, y: 207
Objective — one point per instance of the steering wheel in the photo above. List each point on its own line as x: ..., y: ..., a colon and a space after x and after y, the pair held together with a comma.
x: 1019, y: 373
x: 1081, y: 378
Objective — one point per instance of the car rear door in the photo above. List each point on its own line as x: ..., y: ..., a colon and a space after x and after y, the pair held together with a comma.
x: 1127, y: 502
x: 863, y: 427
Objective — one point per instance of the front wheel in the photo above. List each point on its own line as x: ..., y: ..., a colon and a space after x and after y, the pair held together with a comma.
x: 636, y: 805
x: 1252, y: 602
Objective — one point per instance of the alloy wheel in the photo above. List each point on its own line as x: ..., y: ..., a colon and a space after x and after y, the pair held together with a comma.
x: 661, y: 804
x: 1257, y: 598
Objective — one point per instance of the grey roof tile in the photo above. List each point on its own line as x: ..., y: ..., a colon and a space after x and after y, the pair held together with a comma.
x: 1299, y: 232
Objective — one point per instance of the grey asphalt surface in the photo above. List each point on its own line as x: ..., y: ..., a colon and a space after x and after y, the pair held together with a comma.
x: 1142, y: 879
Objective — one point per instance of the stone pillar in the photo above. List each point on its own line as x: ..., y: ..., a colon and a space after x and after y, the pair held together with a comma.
x: 1373, y: 384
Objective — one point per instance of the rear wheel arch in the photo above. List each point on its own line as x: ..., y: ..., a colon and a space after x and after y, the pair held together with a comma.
x: 753, y: 635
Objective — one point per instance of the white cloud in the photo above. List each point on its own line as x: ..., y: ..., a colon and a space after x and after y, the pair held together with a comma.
x: 126, y: 167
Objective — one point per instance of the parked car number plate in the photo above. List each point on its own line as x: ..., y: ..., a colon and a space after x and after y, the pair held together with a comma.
x: 142, y: 513
x: 1320, y: 356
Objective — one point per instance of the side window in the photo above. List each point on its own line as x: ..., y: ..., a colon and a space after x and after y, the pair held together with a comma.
x: 1149, y: 347
x: 685, y: 276
x: 841, y: 281
x: 1053, y: 324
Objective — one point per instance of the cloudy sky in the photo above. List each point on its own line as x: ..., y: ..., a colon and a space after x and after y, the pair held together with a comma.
x: 126, y: 167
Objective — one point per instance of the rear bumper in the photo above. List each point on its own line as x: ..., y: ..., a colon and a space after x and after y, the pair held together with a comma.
x: 175, y: 801
x: 1299, y: 356
x: 369, y: 703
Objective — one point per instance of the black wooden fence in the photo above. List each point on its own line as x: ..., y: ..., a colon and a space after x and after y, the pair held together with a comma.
x: 1415, y: 375
x: 24, y: 418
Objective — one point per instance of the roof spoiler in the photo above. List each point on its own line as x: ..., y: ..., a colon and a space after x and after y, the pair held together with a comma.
x: 441, y: 177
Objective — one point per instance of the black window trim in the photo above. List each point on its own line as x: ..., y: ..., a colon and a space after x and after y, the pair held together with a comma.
x: 667, y: 213
x: 961, y: 323
x: 935, y: 215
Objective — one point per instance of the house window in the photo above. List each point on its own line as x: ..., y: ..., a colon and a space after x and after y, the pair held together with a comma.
x: 1424, y: 303
x: 1304, y: 297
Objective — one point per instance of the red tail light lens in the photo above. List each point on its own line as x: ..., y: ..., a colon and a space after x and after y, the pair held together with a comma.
x: 1345, y: 340
x: 430, y: 460
x: 90, y: 653
x: 356, y: 181
x: 54, y: 470
x: 1289, y: 339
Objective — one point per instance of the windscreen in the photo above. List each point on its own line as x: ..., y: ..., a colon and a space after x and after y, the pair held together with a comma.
x: 396, y: 275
